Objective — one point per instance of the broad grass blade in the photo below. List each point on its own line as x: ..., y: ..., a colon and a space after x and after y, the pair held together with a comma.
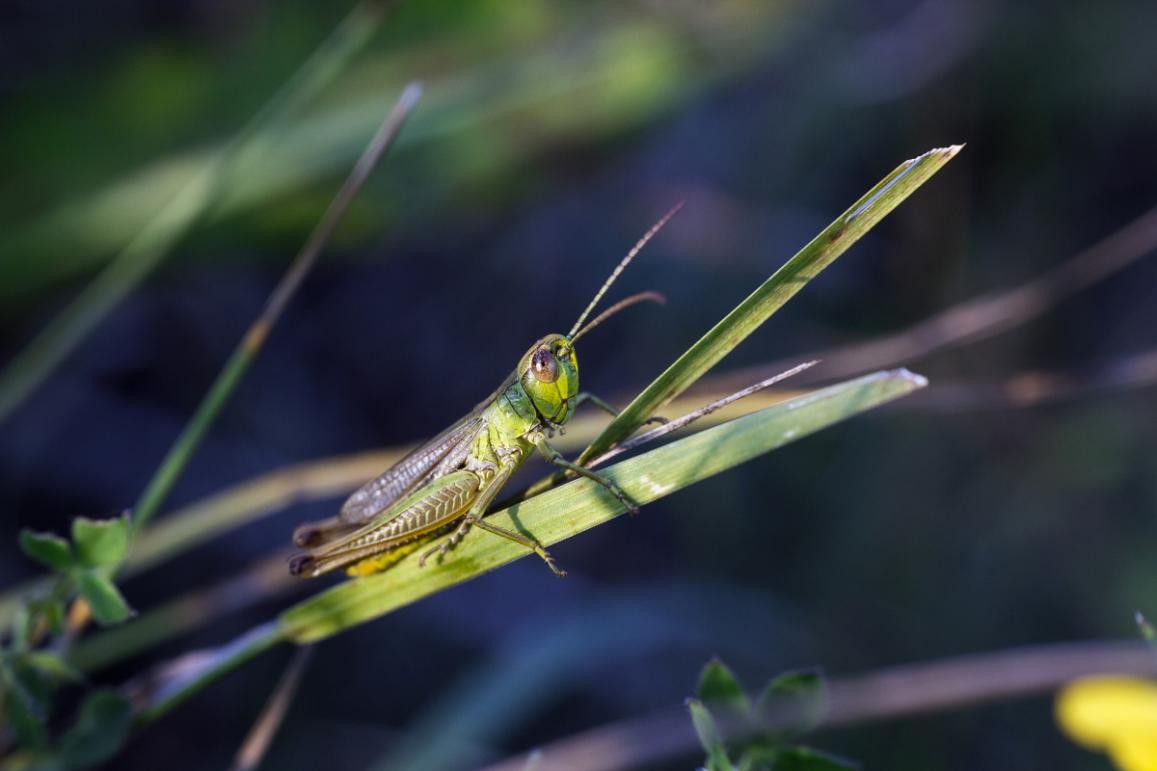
x: 581, y: 505
x: 821, y: 252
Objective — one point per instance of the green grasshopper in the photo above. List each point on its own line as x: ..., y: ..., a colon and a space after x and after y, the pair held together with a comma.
x: 448, y: 482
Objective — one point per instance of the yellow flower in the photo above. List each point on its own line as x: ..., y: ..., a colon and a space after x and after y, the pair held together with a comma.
x: 1113, y: 714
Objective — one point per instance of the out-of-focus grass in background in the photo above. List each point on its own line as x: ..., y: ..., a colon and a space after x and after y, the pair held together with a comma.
x: 550, y: 136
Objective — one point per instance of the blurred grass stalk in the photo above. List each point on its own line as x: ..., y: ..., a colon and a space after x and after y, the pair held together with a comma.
x: 981, y: 317
x: 234, y: 370
x: 174, y: 463
x: 256, y: 745
x: 558, y: 79
x: 905, y: 691
x: 198, y: 192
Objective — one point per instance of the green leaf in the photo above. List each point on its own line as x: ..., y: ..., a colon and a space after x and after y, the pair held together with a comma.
x: 802, y: 692
x: 100, y: 542
x: 750, y: 314
x: 580, y: 505
x: 797, y: 682
x: 21, y: 629
x: 48, y: 549
x: 807, y: 759
x: 52, y: 610
x: 108, y: 606
x: 759, y: 757
x: 30, y: 730
x: 25, y: 710
x: 99, y: 732
x: 53, y: 665
x: 709, y: 737
x: 1145, y: 627
x: 31, y: 614
x: 718, y: 687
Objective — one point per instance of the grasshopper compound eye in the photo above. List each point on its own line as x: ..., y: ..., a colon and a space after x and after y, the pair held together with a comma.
x: 544, y: 366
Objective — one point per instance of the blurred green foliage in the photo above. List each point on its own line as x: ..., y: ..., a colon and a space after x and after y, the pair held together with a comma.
x: 551, y: 131
x: 752, y: 747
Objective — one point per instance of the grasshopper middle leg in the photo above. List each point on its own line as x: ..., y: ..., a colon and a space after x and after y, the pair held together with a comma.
x: 554, y: 456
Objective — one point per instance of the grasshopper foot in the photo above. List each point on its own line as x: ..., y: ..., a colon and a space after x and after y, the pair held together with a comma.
x: 302, y: 565
x: 444, y: 547
x: 550, y: 563
x: 630, y: 505
x: 439, y: 550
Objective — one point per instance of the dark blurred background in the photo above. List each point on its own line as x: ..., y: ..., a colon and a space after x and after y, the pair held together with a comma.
x: 551, y: 135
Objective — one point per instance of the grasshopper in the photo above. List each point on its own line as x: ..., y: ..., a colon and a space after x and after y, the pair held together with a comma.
x: 447, y: 483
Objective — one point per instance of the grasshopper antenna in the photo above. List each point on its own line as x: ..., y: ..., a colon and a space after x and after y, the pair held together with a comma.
x: 626, y: 302
x: 619, y: 269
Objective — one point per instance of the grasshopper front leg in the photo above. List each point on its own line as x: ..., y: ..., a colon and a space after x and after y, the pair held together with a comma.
x: 555, y: 457
x: 474, y: 518
x: 587, y: 396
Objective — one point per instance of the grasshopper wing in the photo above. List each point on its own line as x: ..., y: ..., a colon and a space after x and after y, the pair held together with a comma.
x: 426, y: 511
x: 438, y: 457
x: 444, y: 453
x: 432, y: 459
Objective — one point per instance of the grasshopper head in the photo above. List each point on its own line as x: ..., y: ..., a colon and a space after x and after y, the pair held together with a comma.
x: 549, y: 375
x: 549, y: 370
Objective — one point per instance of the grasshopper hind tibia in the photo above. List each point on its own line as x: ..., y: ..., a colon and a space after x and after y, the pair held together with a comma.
x: 316, y: 533
x: 306, y: 536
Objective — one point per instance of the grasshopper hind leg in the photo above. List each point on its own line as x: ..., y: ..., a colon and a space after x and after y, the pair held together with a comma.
x: 382, y: 562
x: 526, y: 541
x: 365, y: 563
x: 443, y: 548
x: 474, y: 517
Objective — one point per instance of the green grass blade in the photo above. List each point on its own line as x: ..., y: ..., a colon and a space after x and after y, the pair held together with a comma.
x: 189, y: 204
x: 581, y: 505
x: 51, y: 345
x: 822, y: 251
x: 630, y: 69
x: 178, y: 456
